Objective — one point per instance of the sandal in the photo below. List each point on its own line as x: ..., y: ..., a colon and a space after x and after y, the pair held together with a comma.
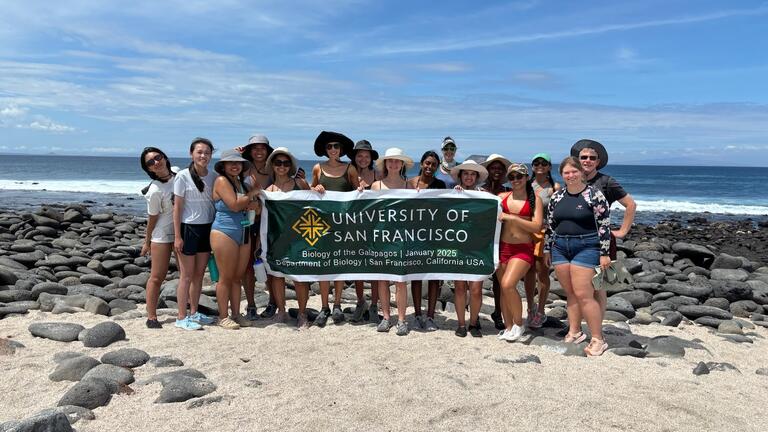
x: 575, y: 338
x: 596, y: 347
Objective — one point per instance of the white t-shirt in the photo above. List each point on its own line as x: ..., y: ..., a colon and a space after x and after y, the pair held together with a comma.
x: 198, y: 206
x: 159, y: 203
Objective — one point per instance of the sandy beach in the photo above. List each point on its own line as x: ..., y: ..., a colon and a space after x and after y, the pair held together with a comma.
x: 349, y: 377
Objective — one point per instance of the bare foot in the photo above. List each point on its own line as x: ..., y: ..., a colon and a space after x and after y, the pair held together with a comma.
x: 303, y: 322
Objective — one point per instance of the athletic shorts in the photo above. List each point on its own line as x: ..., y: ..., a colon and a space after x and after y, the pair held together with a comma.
x: 197, y: 238
x: 581, y: 250
x: 521, y: 251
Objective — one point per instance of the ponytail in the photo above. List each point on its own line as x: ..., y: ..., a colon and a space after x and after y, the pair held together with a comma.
x: 531, y: 196
x: 196, y: 177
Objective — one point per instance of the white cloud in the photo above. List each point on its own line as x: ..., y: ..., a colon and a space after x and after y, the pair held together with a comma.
x: 50, y: 126
x: 13, y: 111
x: 445, y: 67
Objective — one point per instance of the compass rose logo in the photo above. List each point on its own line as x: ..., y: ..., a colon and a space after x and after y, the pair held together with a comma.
x: 310, y: 226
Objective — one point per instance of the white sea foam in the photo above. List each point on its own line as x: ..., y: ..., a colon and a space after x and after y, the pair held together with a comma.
x: 673, y: 206
x: 127, y: 187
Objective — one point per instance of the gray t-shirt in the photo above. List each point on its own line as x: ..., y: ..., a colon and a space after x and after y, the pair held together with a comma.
x: 198, y: 206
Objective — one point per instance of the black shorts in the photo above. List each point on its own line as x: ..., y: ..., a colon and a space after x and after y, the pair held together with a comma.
x: 197, y: 238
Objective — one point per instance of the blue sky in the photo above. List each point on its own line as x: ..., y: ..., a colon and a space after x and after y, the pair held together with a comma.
x: 664, y: 82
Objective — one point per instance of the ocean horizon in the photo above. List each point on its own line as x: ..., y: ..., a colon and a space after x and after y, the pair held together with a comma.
x: 661, y: 192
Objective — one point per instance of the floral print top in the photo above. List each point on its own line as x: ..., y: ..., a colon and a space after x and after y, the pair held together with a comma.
x: 600, y: 208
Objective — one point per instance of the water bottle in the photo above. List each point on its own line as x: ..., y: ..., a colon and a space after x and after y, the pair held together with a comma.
x: 213, y: 269
x: 259, y: 270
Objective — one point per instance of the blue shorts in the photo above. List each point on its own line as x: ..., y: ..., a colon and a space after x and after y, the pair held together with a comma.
x: 581, y: 250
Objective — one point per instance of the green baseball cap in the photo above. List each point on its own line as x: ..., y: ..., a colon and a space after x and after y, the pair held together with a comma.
x: 544, y: 156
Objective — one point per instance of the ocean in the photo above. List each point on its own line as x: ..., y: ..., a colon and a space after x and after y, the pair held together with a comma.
x: 114, y: 183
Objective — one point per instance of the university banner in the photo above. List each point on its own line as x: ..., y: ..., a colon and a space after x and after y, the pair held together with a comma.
x: 397, y: 235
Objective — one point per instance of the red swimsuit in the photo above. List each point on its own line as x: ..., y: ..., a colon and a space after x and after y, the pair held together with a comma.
x: 521, y: 251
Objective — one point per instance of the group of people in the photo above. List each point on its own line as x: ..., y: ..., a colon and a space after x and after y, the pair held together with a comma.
x: 196, y: 211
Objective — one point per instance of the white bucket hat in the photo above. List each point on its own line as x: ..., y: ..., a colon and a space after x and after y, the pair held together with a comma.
x: 497, y: 157
x: 469, y: 165
x: 282, y: 151
x: 397, y: 154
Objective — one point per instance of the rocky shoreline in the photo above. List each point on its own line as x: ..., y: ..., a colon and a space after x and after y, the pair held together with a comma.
x: 67, y: 260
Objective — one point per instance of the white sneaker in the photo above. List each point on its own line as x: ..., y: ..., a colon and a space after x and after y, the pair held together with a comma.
x: 515, y: 333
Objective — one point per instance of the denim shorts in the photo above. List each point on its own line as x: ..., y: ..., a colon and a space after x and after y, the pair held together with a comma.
x: 581, y: 250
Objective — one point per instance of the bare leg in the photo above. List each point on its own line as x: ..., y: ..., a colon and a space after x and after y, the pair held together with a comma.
x: 581, y: 281
x: 530, y: 288
x: 460, y: 297
x: 225, y: 250
x: 339, y: 290
x: 475, y: 301
x: 325, y: 290
x: 234, y: 291
x: 563, y: 272
x: 544, y: 283
x: 161, y: 254
x: 511, y: 301
x: 496, y: 294
x: 384, y: 297
x: 196, y: 284
x: 401, y: 295
x: 186, y: 267
x: 416, y: 294
x: 432, y: 290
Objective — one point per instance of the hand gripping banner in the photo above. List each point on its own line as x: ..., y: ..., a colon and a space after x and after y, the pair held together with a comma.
x: 397, y: 235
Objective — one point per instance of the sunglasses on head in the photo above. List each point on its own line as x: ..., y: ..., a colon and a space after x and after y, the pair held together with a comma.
x: 540, y: 162
x: 588, y: 157
x: 516, y: 177
x: 332, y: 146
x: 154, y: 160
x: 282, y: 162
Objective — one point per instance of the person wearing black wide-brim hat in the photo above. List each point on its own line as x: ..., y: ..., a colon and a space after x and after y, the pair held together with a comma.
x: 333, y: 175
x: 593, y: 158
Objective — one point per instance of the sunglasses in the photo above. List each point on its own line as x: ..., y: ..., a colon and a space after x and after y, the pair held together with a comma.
x: 540, y: 163
x: 282, y: 163
x: 516, y: 177
x: 154, y: 160
x: 449, y: 148
x: 332, y: 146
x: 585, y: 157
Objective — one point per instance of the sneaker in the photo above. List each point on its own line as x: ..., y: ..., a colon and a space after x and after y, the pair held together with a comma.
x: 187, y: 324
x: 229, y: 324
x: 338, y: 315
x: 269, y: 311
x: 384, y: 326
x: 360, y: 309
x: 373, y: 314
x: 402, y: 328
x: 202, y: 318
x: 498, y: 321
x: 154, y: 324
x: 461, y: 331
x: 515, y: 333
x: 420, y: 322
x: 241, y: 320
x: 476, y: 330
x: 322, y: 317
x: 430, y: 325
x: 251, y: 314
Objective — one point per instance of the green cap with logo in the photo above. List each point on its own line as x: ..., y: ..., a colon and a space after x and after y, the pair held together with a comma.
x: 544, y: 156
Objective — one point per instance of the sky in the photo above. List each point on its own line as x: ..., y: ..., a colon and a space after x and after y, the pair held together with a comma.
x: 658, y: 82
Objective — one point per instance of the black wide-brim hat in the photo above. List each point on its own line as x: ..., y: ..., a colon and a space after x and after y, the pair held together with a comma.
x: 594, y: 145
x: 363, y: 145
x: 326, y: 137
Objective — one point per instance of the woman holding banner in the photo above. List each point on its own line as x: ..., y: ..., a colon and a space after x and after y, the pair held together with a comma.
x: 468, y: 176
x: 496, y: 165
x: 333, y: 175
x: 430, y: 162
x: 578, y: 240
x: 393, y: 165
x: 230, y: 234
x: 282, y: 166
x: 522, y: 214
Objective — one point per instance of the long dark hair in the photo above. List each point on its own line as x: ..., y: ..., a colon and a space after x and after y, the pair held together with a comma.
x: 192, y: 171
x: 144, y: 166
x: 531, y: 196
x: 549, y: 177
x: 427, y: 154
x: 241, y: 176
